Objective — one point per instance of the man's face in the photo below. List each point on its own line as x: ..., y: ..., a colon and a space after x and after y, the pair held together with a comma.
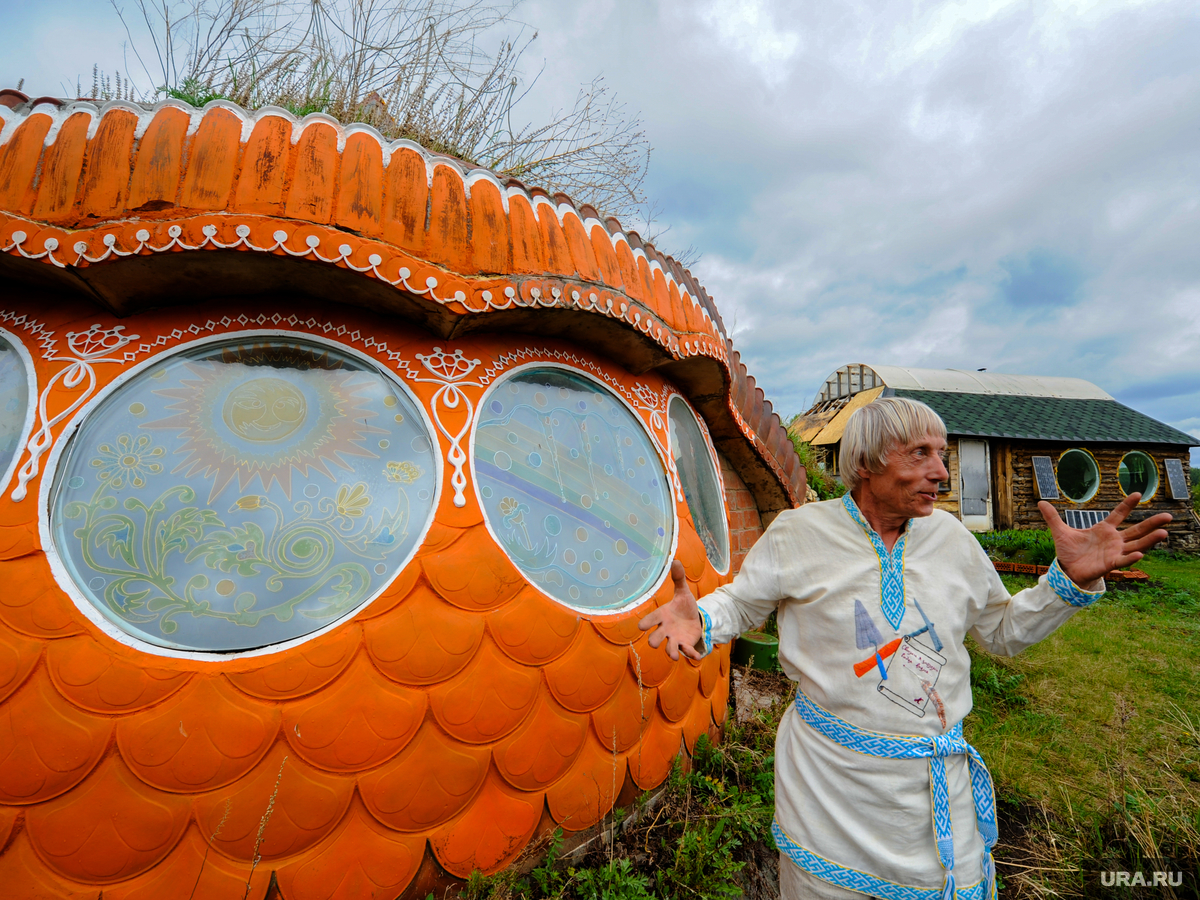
x: 907, y: 486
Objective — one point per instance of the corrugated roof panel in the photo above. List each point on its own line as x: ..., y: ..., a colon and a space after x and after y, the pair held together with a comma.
x: 963, y: 381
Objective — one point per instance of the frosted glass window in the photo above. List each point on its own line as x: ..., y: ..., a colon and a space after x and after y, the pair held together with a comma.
x: 573, y: 488
x: 701, y: 483
x: 1137, y: 472
x: 14, y: 403
x: 243, y: 494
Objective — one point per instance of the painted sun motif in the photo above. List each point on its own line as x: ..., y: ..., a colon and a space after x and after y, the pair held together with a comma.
x: 265, y: 412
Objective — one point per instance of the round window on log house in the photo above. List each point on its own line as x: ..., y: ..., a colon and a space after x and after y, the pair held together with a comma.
x: 1078, y: 476
x: 243, y: 493
x: 1138, y: 473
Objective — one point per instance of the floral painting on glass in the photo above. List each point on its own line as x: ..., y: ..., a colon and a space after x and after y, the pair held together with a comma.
x: 573, y: 488
x: 243, y: 494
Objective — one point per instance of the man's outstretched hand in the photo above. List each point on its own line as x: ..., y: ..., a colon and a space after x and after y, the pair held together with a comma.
x: 1087, y: 555
x: 676, y: 622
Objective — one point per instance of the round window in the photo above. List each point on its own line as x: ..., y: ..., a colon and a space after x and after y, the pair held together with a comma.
x: 14, y: 406
x: 243, y: 493
x: 1078, y: 476
x: 572, y: 488
x: 1138, y: 473
x: 701, y: 483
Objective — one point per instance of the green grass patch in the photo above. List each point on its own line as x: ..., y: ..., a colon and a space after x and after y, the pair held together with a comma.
x: 1093, y: 738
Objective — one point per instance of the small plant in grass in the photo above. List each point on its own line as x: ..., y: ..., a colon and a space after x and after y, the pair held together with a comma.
x: 1029, y: 545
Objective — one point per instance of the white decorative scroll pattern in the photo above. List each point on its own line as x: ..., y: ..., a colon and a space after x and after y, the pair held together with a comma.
x: 87, y: 348
x: 448, y: 371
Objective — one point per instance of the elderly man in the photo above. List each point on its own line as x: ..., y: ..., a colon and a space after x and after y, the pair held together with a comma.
x: 877, y: 793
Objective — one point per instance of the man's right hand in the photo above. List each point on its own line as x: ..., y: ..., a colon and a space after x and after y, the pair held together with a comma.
x: 677, y: 622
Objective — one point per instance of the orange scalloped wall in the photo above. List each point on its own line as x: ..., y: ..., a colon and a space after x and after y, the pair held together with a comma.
x: 87, y: 192
x: 436, y: 731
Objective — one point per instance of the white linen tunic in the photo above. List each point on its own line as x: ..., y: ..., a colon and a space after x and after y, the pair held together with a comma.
x: 841, y: 597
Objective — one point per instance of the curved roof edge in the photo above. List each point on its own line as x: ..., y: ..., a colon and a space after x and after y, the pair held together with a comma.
x: 850, y: 379
x: 89, y: 190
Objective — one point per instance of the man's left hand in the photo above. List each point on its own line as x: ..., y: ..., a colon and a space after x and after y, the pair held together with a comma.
x: 1087, y: 555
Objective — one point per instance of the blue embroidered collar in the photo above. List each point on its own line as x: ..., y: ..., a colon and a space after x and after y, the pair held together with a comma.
x: 891, y: 565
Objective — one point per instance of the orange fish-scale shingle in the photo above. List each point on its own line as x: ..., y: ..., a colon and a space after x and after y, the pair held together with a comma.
x: 424, y: 640
x: 205, y: 736
x: 99, y: 681
x: 308, y: 804
x: 26, y: 877
x: 47, y: 746
x: 8, y: 821
x: 691, y: 553
x: 589, y: 790
x: 710, y: 671
x: 650, y: 667
x: 491, y: 833
x: 676, y: 694
x: 488, y: 699
x: 477, y: 576
x: 650, y: 761
x: 588, y: 674
x: 362, y: 859
x: 401, y: 586
x: 303, y: 670
x: 18, y: 656
x: 191, y: 866
x: 533, y: 629
x: 619, y: 722
x: 113, y: 827
x: 430, y: 782
x: 697, y: 721
x: 719, y: 701
x: 558, y: 252
x: 361, y: 721
x: 540, y: 751
x: 32, y: 603
x: 19, y: 540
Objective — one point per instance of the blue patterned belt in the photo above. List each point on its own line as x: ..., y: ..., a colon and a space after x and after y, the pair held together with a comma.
x: 935, y: 749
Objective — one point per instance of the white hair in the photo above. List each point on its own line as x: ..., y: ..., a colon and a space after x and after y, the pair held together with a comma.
x: 876, y: 429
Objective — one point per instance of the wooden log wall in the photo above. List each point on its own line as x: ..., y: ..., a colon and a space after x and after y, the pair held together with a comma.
x: 1018, y: 469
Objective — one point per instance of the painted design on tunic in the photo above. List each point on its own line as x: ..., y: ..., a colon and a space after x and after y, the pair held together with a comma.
x: 891, y: 565
x: 909, y: 677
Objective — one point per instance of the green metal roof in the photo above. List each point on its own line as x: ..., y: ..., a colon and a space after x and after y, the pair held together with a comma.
x: 1046, y: 418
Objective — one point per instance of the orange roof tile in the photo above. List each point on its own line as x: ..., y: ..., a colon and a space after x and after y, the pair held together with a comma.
x: 84, y: 188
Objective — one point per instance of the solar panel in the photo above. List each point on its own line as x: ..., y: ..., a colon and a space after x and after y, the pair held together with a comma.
x: 1179, y: 488
x: 1043, y: 471
x: 1084, y: 518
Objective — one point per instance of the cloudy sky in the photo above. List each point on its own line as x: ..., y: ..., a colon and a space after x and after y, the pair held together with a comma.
x: 1009, y: 185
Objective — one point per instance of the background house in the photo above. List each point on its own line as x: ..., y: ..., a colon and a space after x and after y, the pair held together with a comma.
x: 1018, y: 439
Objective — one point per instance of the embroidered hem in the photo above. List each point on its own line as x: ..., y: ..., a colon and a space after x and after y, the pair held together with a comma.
x: 854, y: 880
x: 1068, y: 591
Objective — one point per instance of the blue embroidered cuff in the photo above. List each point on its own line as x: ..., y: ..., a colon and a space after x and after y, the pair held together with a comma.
x: 708, y: 644
x: 1067, y: 590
